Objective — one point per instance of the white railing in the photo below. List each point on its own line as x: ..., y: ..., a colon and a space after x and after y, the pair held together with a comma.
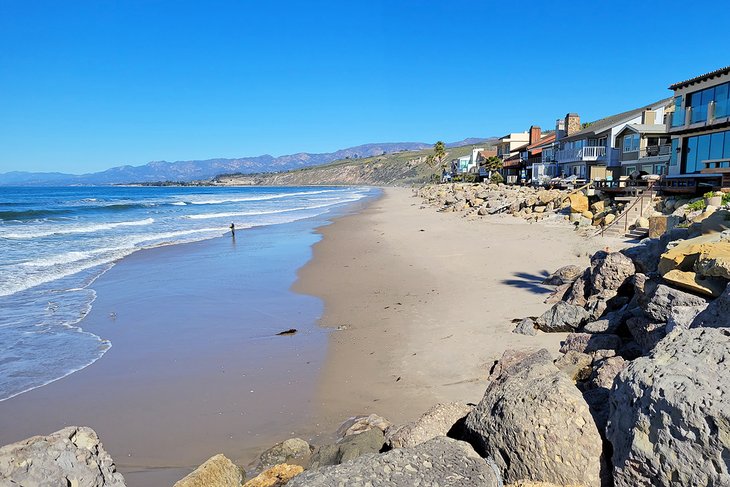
x: 588, y: 154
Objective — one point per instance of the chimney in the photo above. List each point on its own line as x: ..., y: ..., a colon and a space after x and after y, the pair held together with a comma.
x: 572, y: 124
x: 559, y: 129
x: 535, y: 134
x: 648, y: 117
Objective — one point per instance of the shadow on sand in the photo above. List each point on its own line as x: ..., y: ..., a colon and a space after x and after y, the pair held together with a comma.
x: 531, y: 282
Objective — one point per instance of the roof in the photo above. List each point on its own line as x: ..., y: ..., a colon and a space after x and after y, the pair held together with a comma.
x: 702, y: 77
x: 604, y: 124
x: 645, y: 128
x: 509, y: 136
x: 543, y: 141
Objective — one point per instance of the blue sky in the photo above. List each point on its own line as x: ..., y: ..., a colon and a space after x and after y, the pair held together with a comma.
x: 86, y: 85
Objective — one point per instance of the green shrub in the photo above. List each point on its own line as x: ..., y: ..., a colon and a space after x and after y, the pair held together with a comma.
x: 496, y: 178
x: 726, y: 198
x: 470, y: 178
x: 697, y: 205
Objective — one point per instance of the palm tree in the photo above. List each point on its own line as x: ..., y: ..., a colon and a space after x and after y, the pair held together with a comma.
x: 439, y: 154
x: 493, y: 163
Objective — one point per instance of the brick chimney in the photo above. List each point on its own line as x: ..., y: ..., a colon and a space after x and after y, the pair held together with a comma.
x: 535, y: 134
x: 648, y: 117
x: 572, y: 124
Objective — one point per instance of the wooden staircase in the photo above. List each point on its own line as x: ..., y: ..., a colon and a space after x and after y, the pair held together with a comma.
x: 635, y: 207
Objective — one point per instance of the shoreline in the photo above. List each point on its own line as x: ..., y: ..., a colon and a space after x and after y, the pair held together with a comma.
x: 178, y: 369
x: 396, y: 276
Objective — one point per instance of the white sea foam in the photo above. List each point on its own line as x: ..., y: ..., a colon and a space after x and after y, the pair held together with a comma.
x: 71, y: 228
x: 259, y: 198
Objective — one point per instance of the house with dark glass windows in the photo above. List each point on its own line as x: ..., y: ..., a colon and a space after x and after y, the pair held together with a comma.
x: 700, y: 134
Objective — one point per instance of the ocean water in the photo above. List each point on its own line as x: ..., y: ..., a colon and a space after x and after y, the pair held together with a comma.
x: 54, y: 242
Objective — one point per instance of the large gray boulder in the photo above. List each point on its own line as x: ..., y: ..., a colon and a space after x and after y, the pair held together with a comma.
x: 562, y: 317
x: 439, y: 462
x: 663, y: 298
x: 717, y: 313
x: 589, y: 343
x: 565, y: 275
x: 73, y: 456
x: 440, y: 420
x: 536, y: 425
x: 669, y: 420
x: 646, y: 333
x: 610, y: 271
x: 349, y: 448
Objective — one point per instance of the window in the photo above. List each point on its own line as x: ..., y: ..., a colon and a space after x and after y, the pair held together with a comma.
x: 706, y: 147
x: 631, y: 143
x: 699, y: 101
x: 660, y: 169
x: 678, y: 115
x: 690, y: 163
x: 722, y: 108
x: 717, y: 145
x: 673, y: 154
x: 628, y: 170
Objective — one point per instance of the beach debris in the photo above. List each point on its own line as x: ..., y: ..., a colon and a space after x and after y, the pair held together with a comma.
x: 343, y: 327
x: 288, y: 332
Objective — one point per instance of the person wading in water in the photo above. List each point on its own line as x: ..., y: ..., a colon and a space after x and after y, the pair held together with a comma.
x: 233, y: 230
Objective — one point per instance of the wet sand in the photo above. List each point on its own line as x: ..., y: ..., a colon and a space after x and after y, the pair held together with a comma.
x: 196, y: 367
x: 427, y: 299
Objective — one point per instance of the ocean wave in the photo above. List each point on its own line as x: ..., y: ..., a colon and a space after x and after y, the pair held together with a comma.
x: 71, y: 229
x: 21, y: 215
x: 261, y: 197
x: 205, y: 216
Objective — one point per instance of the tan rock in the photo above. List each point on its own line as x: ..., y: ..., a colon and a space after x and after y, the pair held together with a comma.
x: 539, y: 209
x: 608, y: 219
x: 714, y: 260
x: 598, y: 206
x: 659, y: 225
x: 642, y: 222
x: 685, y: 254
x: 587, y: 214
x: 217, y: 470
x: 708, y: 286
x: 276, y: 476
x: 576, y: 365
x: 578, y: 202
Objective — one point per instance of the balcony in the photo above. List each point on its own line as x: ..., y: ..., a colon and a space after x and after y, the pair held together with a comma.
x: 652, y: 153
x: 599, y: 154
x: 700, y: 116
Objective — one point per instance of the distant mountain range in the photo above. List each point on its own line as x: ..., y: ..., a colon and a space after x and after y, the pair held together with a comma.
x: 186, y: 171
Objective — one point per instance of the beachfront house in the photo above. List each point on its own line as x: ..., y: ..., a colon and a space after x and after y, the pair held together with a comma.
x: 700, y: 134
x: 508, y: 149
x: 467, y: 164
x: 644, y: 148
x: 531, y: 155
x: 591, y: 151
x: 546, y: 168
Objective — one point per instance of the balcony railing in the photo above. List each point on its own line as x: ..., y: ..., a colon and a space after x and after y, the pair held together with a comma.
x: 656, y: 151
x: 701, y: 113
x: 588, y: 154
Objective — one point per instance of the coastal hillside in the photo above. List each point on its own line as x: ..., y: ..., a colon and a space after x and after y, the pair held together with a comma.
x: 192, y: 170
x: 402, y: 168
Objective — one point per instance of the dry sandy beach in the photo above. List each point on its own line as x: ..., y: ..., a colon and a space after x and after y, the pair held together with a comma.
x: 427, y: 300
